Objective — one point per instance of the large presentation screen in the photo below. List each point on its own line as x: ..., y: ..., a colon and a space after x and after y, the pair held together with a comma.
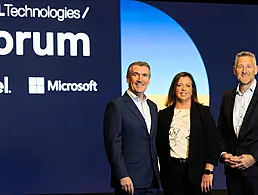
x: 62, y: 61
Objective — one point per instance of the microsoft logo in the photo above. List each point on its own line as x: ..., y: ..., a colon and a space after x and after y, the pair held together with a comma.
x: 36, y: 85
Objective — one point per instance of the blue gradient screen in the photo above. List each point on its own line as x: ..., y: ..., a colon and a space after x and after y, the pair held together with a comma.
x: 62, y: 61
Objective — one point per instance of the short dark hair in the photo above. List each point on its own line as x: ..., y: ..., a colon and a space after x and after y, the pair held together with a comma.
x: 172, y: 90
x: 138, y: 63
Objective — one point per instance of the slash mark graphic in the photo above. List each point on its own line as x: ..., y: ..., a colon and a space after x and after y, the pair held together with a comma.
x: 85, y: 12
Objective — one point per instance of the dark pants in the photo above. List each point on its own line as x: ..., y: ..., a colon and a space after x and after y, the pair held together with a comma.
x: 239, y: 185
x: 152, y: 190
x: 177, y: 180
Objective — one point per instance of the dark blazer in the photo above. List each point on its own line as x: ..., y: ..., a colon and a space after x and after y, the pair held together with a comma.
x: 130, y: 149
x: 203, y: 142
x: 247, y: 140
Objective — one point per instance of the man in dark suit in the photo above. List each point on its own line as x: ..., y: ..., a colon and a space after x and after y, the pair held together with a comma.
x: 238, y: 124
x: 130, y: 125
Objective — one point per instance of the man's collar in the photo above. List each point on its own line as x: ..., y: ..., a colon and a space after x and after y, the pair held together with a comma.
x: 251, y: 88
x: 135, y: 97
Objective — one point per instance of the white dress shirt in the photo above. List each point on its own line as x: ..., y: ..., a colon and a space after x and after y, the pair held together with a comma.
x: 242, y: 102
x: 143, y: 107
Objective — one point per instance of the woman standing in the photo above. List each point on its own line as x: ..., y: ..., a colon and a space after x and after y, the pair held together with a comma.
x: 187, y: 141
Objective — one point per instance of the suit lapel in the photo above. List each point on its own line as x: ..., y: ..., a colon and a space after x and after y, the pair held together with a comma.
x: 131, y: 105
x: 249, y: 110
x: 194, y: 119
x: 231, y: 103
x: 170, y: 114
x: 153, y: 114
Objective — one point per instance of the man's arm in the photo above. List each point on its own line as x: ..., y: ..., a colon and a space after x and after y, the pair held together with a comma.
x: 254, y: 150
x: 243, y: 162
x: 113, y: 140
x: 224, y: 156
x: 247, y: 160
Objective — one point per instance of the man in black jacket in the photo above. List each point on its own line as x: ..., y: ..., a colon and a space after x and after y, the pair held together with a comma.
x: 238, y: 124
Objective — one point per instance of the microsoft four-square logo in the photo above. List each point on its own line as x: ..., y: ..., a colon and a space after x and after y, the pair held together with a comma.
x: 36, y: 85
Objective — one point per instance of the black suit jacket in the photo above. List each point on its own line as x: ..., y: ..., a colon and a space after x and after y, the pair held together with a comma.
x: 203, y: 142
x: 247, y: 140
x: 130, y: 148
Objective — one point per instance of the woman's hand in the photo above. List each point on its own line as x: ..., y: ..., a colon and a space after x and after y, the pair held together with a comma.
x: 206, y: 184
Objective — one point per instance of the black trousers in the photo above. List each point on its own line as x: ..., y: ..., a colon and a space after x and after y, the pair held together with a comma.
x: 140, y: 191
x: 240, y: 185
x: 177, y: 180
x: 153, y: 189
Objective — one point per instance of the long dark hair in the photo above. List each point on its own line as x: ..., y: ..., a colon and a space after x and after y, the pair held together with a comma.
x: 172, y: 90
